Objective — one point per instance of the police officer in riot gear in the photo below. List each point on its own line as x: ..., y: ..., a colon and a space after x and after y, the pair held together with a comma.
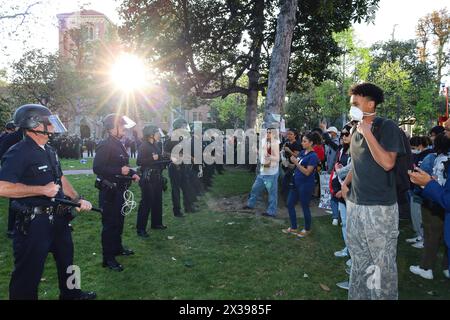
x: 31, y: 174
x: 9, y: 128
x: 178, y: 174
x: 7, y: 140
x: 111, y: 165
x: 151, y: 165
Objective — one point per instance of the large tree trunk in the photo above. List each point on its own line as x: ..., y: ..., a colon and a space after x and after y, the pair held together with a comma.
x: 279, y: 61
x: 257, y: 35
x: 252, y: 100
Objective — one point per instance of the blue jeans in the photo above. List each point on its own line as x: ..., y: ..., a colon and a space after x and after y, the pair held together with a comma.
x: 302, y: 192
x: 335, y: 207
x: 343, y: 212
x: 270, y: 183
x: 447, y: 235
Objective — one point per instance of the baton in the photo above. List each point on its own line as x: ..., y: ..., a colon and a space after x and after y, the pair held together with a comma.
x: 73, y: 204
x: 118, y: 176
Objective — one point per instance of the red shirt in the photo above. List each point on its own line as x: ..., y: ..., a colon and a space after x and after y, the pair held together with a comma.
x: 320, y: 151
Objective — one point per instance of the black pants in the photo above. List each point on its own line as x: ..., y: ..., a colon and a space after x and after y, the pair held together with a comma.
x: 112, y: 221
x: 178, y: 181
x: 195, y: 185
x: 30, y: 253
x: 11, y: 217
x: 433, y: 230
x: 151, y: 201
x: 219, y: 168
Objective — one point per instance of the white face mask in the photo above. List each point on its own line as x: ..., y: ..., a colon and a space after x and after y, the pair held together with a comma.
x: 357, y: 115
x: 415, y: 151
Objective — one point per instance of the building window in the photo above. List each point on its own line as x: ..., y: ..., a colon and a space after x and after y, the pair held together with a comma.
x: 194, y: 116
x: 208, y: 116
x: 165, y: 119
x: 90, y: 31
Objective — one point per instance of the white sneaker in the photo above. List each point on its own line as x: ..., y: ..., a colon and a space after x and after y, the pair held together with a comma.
x: 414, y: 240
x: 341, y: 254
x: 335, y: 222
x: 343, y: 285
x: 426, y: 274
x: 446, y: 274
x: 418, y: 245
x: 349, y: 263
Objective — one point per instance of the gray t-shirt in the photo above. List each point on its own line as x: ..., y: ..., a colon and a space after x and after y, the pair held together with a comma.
x: 371, y: 184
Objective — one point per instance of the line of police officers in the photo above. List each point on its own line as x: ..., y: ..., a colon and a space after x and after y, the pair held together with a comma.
x: 31, y: 177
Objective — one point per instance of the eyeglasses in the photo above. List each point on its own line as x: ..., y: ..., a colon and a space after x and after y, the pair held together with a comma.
x: 345, y: 134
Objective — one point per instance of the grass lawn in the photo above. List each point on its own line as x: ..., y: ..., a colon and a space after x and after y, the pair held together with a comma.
x: 73, y: 164
x: 216, y: 255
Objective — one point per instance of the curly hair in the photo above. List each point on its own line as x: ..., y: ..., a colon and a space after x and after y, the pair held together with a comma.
x: 368, y: 90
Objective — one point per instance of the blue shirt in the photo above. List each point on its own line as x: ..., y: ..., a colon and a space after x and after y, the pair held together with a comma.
x: 306, y: 160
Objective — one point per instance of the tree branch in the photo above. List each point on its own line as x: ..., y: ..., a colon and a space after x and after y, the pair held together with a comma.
x: 222, y: 92
x: 21, y: 14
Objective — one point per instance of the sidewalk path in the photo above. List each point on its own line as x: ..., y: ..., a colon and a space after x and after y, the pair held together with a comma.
x: 72, y: 172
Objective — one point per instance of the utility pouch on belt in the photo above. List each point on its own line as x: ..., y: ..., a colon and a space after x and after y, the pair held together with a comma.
x: 23, y: 216
x: 103, y: 184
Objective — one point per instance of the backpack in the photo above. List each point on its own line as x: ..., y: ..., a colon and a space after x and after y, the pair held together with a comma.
x: 440, y: 168
x: 403, y: 162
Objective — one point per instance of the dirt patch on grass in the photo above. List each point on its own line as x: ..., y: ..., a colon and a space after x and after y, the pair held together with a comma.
x: 235, y: 204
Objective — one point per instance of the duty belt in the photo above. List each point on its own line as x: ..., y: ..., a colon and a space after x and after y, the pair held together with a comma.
x: 58, y: 210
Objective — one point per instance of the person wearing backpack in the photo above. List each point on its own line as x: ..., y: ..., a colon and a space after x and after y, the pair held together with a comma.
x: 372, y: 209
x: 437, y: 189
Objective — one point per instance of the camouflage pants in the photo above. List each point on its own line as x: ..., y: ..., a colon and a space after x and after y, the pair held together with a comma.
x: 372, y: 233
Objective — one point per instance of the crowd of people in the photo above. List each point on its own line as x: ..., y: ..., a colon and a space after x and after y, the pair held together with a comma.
x: 378, y: 175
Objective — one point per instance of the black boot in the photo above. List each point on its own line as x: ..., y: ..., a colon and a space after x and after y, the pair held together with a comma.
x: 142, y: 234
x: 125, y: 252
x: 113, y: 265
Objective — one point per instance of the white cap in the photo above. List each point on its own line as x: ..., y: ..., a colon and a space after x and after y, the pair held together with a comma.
x: 332, y: 129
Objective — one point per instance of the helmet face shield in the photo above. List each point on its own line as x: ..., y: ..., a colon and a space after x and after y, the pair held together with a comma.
x: 161, y: 133
x: 128, y: 123
x: 57, y: 124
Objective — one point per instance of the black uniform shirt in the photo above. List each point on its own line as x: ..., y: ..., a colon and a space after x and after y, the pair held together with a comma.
x: 110, y: 157
x: 27, y: 163
x: 145, y: 156
x: 9, y: 140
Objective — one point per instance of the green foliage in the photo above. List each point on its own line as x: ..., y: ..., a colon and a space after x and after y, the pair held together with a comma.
x: 333, y: 101
x: 396, y: 65
x: 397, y: 86
x: 302, y: 111
x: 203, y: 47
x: 34, y: 77
x: 229, y: 112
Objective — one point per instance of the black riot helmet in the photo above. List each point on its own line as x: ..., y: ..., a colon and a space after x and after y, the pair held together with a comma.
x: 113, y: 119
x: 149, y: 130
x: 179, y: 123
x: 30, y: 116
x: 10, y: 126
